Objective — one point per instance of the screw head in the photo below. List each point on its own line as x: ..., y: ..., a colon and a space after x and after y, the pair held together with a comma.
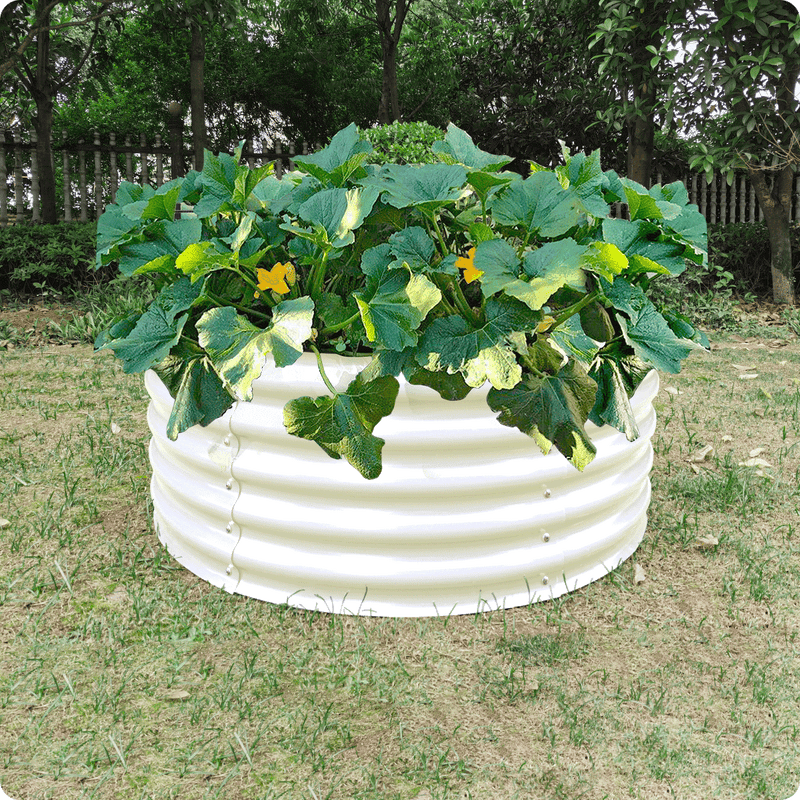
x: 547, y: 493
x: 229, y: 569
x: 545, y: 537
x: 229, y: 527
x: 226, y: 440
x: 545, y: 580
x: 229, y: 484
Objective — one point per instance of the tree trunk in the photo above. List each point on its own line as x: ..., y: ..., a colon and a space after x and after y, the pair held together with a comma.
x: 641, y: 136
x: 776, y: 203
x: 389, y: 108
x: 390, y: 31
x: 43, y: 123
x: 197, y: 54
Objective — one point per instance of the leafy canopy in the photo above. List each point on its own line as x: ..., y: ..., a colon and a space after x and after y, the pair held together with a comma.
x: 454, y: 274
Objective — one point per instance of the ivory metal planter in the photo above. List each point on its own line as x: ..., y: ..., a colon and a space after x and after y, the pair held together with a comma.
x: 467, y: 515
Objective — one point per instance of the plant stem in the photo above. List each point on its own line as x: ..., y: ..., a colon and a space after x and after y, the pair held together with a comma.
x: 317, y: 277
x: 461, y: 303
x: 220, y: 302
x: 322, y: 370
x: 340, y: 326
x: 575, y: 308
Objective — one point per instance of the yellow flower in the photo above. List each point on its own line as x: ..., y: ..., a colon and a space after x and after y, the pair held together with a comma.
x: 545, y: 324
x: 278, y: 279
x: 467, y: 263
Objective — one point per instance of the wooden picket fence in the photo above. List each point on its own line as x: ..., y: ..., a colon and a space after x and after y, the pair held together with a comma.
x: 90, y: 172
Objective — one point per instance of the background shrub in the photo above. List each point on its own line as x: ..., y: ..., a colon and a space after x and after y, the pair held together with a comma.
x: 742, y: 250
x: 58, y: 256
x: 403, y: 143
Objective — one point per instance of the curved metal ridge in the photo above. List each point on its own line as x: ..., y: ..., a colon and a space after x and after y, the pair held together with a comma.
x: 466, y: 515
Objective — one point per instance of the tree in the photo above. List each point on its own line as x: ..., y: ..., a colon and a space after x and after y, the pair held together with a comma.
x: 61, y: 53
x: 198, y: 16
x: 745, y: 64
x: 638, y: 55
x: 526, y: 80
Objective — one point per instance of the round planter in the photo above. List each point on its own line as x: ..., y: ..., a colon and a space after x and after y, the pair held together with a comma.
x: 467, y: 515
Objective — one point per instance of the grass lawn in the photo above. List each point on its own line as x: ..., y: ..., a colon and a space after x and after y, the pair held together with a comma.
x: 124, y: 676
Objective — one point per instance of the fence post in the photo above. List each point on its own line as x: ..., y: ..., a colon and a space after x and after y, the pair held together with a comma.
x: 159, y: 162
x: 98, y: 178
x: 82, y: 181
x: 175, y: 123
x: 797, y: 199
x: 128, y: 159
x: 112, y: 140
x: 35, y: 215
x: 66, y: 179
x: 3, y: 181
x: 145, y: 168
x: 278, y: 161
x: 18, y: 188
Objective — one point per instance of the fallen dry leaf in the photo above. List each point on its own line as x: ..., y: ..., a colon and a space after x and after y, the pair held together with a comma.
x: 742, y: 368
x: 176, y: 694
x: 748, y: 377
x: 672, y: 390
x: 4, y: 523
x: 756, y: 451
x: 638, y: 574
x: 115, y: 429
x: 700, y: 455
x: 727, y: 438
x: 755, y: 462
x: 762, y: 474
x: 706, y: 542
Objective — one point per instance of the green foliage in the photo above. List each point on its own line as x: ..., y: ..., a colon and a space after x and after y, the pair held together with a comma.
x: 57, y: 256
x: 402, y: 143
x: 455, y: 274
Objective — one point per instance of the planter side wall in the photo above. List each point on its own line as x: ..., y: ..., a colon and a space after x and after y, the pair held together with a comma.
x: 467, y: 514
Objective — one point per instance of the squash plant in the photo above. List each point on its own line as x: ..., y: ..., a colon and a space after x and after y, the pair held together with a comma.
x: 454, y: 274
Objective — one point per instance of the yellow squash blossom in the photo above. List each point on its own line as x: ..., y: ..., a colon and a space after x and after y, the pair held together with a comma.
x: 278, y: 279
x: 467, y: 263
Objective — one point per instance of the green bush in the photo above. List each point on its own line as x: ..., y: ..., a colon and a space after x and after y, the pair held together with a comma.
x: 741, y: 250
x: 58, y: 257
x: 403, y: 143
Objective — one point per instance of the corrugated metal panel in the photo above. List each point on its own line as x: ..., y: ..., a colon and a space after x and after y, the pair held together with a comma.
x: 466, y: 515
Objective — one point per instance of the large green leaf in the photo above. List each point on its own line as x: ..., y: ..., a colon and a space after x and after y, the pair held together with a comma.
x: 238, y: 349
x: 539, y: 205
x: 645, y: 330
x: 612, y: 405
x: 203, y: 258
x: 158, y: 330
x: 342, y: 425
x: 458, y: 148
x: 218, y: 181
x: 394, y: 302
x: 583, y: 176
x: 338, y: 212
x: 113, y: 228
x: 162, y: 204
x: 551, y: 267
x: 645, y: 254
x: 340, y: 161
x: 551, y: 409
x: 164, y: 243
x: 428, y: 187
x: 481, y: 354
x: 414, y: 247
x: 643, y: 205
x: 199, y: 394
x: 498, y: 262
